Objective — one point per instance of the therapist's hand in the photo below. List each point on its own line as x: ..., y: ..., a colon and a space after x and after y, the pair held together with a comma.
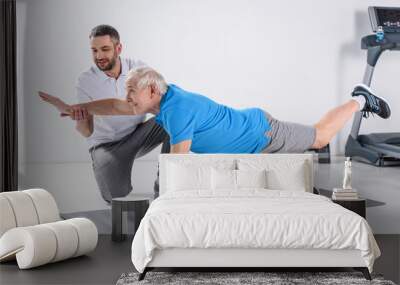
x: 79, y: 113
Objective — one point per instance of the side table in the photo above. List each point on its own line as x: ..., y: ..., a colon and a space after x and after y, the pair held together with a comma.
x: 358, y: 206
x: 134, y: 202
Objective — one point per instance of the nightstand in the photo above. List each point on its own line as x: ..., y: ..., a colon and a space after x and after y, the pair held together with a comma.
x: 358, y: 206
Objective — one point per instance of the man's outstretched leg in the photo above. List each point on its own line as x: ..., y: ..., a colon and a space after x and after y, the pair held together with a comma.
x: 363, y: 100
x: 287, y: 137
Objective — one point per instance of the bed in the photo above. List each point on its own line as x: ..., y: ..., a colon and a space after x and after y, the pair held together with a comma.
x: 245, y: 211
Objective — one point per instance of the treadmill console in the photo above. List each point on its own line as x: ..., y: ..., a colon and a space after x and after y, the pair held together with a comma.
x: 386, y: 17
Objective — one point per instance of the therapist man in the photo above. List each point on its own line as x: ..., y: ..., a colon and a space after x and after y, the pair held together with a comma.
x: 114, y: 141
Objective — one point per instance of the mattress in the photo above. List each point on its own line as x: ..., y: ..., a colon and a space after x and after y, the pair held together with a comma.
x: 250, y: 219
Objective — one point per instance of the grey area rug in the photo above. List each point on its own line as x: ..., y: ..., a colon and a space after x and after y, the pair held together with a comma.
x: 243, y: 278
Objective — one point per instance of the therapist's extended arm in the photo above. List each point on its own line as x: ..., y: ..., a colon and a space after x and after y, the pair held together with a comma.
x: 182, y: 147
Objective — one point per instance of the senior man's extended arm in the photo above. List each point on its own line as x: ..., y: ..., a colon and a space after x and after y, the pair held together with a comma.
x: 107, y: 107
x: 182, y: 147
x: 99, y: 107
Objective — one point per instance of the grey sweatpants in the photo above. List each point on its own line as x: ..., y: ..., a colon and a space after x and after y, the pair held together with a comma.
x: 287, y: 137
x: 112, y: 162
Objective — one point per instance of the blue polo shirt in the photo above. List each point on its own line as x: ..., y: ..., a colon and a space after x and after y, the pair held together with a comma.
x: 212, y: 127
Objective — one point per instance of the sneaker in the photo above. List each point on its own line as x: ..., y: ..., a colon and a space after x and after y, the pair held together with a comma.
x: 373, y: 103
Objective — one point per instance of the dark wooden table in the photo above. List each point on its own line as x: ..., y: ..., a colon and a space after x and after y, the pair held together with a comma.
x: 138, y: 203
x: 358, y: 206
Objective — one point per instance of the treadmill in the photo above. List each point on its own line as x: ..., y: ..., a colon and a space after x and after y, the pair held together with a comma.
x: 380, y: 149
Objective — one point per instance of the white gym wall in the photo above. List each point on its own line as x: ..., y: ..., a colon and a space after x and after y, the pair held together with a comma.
x: 295, y: 59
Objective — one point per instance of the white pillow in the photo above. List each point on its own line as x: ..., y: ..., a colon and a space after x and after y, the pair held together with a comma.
x: 193, y: 174
x: 292, y: 179
x: 251, y: 178
x: 282, y: 174
x: 182, y: 177
x: 237, y: 179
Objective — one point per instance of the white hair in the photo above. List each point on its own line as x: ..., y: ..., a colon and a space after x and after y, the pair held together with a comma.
x: 145, y: 76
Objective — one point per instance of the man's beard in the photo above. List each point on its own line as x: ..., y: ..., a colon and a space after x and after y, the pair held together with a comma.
x: 109, y: 66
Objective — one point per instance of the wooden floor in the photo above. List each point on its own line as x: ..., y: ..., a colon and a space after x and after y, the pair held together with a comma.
x: 110, y: 260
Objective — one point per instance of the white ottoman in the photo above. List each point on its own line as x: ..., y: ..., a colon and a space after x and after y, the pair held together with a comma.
x: 32, y: 232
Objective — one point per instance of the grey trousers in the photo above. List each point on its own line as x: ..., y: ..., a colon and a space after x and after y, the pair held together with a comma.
x: 112, y: 162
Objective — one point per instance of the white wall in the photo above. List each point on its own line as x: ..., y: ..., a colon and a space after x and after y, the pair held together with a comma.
x: 295, y: 59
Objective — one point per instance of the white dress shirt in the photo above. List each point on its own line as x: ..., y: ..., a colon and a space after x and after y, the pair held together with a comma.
x: 94, y: 84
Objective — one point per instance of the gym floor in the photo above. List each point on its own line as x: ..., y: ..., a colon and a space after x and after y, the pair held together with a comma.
x: 379, y: 186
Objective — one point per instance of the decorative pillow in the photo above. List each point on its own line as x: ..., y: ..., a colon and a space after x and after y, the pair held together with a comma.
x: 236, y: 179
x: 251, y: 178
x: 223, y: 179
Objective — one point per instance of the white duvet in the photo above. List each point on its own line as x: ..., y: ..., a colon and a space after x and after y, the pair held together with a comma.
x: 251, y: 218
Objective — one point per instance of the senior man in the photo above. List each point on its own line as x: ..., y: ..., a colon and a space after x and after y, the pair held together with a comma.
x: 198, y: 124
